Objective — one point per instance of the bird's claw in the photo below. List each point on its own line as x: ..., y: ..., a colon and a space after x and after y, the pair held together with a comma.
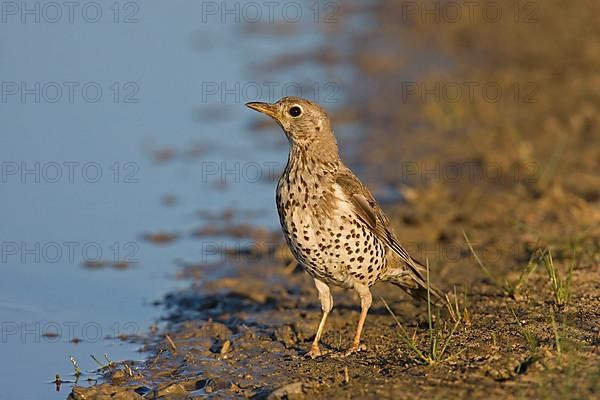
x: 314, y: 352
x: 355, y: 348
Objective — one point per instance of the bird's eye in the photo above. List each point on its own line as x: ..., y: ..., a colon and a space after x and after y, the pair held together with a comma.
x: 295, y: 111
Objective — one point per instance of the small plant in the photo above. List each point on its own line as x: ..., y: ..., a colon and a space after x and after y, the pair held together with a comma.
x: 109, y: 364
x: 77, y: 371
x: 555, y: 330
x: 458, y: 314
x: 510, y: 289
x: 561, y: 287
x: 437, y: 343
x: 533, y: 345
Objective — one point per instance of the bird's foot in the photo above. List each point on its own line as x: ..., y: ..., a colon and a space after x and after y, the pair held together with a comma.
x: 314, y: 352
x: 355, y: 348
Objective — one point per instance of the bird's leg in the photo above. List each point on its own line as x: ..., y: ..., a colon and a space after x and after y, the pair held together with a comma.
x: 365, y: 302
x: 326, y: 305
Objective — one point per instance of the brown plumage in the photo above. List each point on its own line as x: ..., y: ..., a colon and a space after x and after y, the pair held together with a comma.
x: 332, y: 223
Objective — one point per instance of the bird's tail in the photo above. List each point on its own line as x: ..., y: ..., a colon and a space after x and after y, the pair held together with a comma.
x: 413, y: 281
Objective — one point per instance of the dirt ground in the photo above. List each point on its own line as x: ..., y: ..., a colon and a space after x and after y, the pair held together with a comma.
x: 241, y: 329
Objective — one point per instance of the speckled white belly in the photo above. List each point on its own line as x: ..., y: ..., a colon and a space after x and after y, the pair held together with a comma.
x: 336, y: 248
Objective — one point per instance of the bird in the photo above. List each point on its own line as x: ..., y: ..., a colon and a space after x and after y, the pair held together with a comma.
x: 331, y: 222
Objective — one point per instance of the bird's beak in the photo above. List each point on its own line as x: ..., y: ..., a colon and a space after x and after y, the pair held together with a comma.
x: 265, y: 108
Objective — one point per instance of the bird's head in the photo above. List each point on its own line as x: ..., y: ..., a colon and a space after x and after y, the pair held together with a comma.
x: 303, y: 121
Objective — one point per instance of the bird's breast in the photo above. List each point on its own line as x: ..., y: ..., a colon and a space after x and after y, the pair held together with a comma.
x: 325, y: 235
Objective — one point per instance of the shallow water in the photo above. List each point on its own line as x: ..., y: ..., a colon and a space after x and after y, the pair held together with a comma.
x: 84, y: 172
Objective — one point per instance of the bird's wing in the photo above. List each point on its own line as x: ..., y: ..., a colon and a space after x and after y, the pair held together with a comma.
x: 368, y: 211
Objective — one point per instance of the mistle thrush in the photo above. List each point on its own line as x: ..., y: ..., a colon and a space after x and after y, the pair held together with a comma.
x: 332, y: 223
